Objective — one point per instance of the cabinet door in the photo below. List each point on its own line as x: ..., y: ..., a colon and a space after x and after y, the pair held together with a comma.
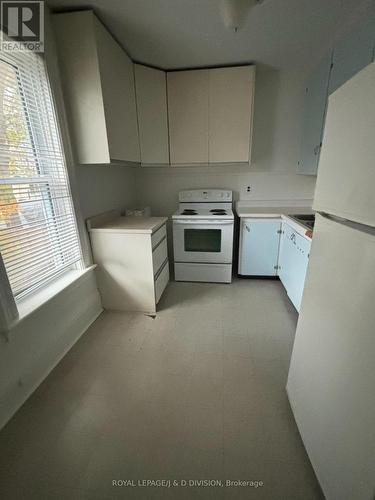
x: 259, y: 247
x: 80, y: 74
x: 231, y: 97
x: 286, y: 256
x: 151, y: 91
x: 300, y: 261
x: 293, y: 261
x: 353, y: 52
x: 316, y: 93
x: 188, y: 116
x: 117, y: 79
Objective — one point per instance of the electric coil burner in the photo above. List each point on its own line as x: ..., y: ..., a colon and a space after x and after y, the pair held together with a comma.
x: 189, y: 212
x: 203, y: 236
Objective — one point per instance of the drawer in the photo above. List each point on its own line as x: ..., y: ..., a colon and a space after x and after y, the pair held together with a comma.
x: 161, y: 281
x: 159, y: 235
x: 159, y: 255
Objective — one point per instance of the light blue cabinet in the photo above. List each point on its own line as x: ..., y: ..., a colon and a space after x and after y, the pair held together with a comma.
x: 353, y: 52
x: 259, y: 247
x: 293, y: 262
x: 315, y: 103
x: 286, y: 258
x: 269, y: 247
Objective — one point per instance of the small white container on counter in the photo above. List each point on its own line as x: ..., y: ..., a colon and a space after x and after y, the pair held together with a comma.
x: 138, y: 212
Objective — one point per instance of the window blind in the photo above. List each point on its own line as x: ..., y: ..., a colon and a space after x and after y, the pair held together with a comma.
x: 38, y: 232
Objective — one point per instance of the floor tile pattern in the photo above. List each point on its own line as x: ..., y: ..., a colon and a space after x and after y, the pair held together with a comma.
x: 198, y: 393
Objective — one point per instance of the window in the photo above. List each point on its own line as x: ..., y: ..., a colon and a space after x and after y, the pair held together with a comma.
x: 38, y: 233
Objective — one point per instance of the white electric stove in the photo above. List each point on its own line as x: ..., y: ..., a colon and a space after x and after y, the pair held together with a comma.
x: 203, y: 236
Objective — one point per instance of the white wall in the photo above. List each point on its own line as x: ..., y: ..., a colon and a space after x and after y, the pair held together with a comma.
x: 272, y: 175
x: 38, y: 342
x: 102, y: 188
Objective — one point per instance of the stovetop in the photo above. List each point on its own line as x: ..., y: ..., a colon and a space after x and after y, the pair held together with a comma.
x: 203, y: 213
x: 205, y: 204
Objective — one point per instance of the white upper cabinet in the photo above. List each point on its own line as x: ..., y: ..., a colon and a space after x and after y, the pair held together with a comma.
x: 210, y: 115
x: 188, y: 116
x: 151, y: 92
x: 98, y: 83
x: 117, y: 78
x: 231, y: 100
x: 315, y: 103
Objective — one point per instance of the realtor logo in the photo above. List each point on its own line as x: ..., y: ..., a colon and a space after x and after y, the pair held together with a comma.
x: 22, y: 25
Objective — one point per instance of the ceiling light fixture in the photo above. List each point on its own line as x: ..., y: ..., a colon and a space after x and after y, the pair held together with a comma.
x: 234, y: 12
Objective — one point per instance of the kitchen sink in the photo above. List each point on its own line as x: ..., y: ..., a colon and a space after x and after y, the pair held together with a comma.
x: 306, y: 220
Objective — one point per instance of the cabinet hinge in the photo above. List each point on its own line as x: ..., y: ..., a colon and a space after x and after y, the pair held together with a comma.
x: 276, y: 267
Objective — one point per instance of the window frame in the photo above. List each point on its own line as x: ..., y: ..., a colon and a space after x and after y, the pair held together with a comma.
x: 47, y: 201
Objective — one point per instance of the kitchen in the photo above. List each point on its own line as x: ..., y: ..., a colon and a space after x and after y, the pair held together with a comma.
x: 191, y: 223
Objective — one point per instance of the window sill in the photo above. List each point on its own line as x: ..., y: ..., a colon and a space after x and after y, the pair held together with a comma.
x: 30, y: 304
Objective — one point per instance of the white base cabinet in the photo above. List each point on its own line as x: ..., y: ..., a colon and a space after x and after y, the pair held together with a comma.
x: 271, y: 247
x: 293, y: 261
x: 133, y: 268
x: 259, y: 247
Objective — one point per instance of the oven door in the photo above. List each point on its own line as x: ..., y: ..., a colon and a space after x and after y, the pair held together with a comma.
x: 203, y: 241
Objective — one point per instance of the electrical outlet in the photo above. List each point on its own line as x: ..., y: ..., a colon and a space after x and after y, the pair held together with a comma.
x: 248, y: 189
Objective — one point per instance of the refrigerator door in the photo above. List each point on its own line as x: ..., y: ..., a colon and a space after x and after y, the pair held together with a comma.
x: 346, y: 174
x: 331, y: 382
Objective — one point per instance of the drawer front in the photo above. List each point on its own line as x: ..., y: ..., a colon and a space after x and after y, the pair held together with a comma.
x: 159, y: 255
x: 161, y: 282
x: 158, y: 236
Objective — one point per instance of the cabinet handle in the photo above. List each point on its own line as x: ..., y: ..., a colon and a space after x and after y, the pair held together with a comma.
x: 247, y: 228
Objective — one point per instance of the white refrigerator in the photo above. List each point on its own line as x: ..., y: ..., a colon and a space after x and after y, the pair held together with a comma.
x: 331, y: 382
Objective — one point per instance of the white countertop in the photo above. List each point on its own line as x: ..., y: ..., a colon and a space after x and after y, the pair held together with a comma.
x: 244, y: 211
x: 138, y: 225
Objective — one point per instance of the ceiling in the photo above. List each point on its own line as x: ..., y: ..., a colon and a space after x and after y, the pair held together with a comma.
x: 173, y: 34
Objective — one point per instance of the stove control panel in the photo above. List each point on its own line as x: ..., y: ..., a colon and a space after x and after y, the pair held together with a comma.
x: 205, y: 195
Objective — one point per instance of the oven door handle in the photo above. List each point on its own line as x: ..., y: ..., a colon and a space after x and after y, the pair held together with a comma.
x: 204, y: 222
